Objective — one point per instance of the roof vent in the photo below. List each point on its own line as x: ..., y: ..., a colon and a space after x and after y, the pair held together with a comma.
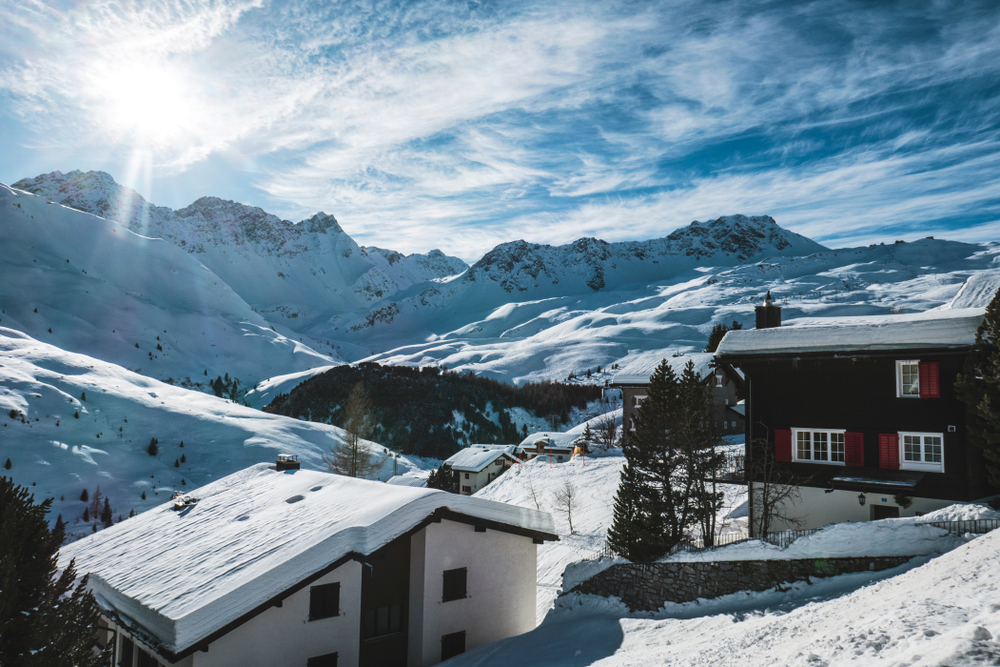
x: 182, y: 501
x: 287, y: 462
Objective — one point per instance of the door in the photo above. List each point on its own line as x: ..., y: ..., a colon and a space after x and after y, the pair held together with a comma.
x: 884, y: 512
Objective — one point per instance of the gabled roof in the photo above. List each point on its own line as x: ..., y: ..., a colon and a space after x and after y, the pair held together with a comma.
x: 254, y: 535
x: 555, y: 440
x: 476, y: 457
x: 937, y: 329
x: 639, y: 369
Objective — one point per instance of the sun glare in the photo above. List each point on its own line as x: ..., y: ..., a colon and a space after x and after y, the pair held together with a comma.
x: 153, y: 102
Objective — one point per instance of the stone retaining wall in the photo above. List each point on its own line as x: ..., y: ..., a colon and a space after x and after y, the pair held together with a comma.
x: 646, y: 587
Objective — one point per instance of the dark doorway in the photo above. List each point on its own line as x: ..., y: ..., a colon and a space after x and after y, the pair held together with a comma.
x: 385, y: 593
x: 884, y: 512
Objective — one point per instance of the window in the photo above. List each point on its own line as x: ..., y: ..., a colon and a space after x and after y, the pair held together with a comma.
x: 466, y: 489
x: 328, y: 660
x: 917, y: 379
x: 819, y: 446
x: 324, y: 601
x: 146, y: 660
x: 125, y: 655
x: 637, y: 400
x: 921, y: 451
x: 454, y: 584
x: 452, y: 645
x: 382, y: 621
x: 466, y: 475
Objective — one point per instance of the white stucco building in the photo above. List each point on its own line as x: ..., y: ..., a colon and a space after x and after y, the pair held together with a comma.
x: 478, y: 465
x: 297, y: 567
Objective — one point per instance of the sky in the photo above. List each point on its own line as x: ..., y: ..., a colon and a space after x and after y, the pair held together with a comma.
x: 461, y: 125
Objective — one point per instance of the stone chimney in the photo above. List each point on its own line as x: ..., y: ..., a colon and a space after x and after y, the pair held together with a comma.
x: 768, y: 315
x: 287, y: 462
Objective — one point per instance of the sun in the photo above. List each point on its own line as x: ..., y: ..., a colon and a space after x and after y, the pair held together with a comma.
x: 152, y: 101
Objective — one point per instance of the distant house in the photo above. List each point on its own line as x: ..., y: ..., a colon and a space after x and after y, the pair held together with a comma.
x: 478, y: 465
x: 311, y: 569
x: 557, y: 447
x: 863, y: 409
x: 724, y: 382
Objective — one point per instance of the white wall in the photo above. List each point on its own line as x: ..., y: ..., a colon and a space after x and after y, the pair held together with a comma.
x: 817, y: 508
x: 285, y: 635
x: 500, y: 586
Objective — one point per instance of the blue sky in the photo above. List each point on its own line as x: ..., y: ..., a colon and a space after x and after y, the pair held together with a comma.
x: 460, y: 125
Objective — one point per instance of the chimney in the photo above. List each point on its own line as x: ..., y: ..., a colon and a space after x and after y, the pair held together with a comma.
x: 287, y: 462
x: 768, y: 315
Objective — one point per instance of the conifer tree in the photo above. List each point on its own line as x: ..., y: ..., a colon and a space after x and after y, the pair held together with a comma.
x: 106, y: 514
x: 86, y: 514
x: 978, y: 386
x: 96, y: 502
x: 44, y: 621
x: 85, y: 496
x: 8, y: 465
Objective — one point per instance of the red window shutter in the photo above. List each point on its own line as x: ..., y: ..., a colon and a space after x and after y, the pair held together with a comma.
x: 783, y: 445
x: 930, y: 383
x: 635, y: 401
x: 854, y: 449
x: 888, y: 451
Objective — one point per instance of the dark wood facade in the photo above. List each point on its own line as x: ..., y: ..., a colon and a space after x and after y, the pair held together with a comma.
x: 859, y: 394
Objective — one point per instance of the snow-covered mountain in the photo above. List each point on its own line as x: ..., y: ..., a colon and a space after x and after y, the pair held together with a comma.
x: 296, y: 273
x: 88, y: 285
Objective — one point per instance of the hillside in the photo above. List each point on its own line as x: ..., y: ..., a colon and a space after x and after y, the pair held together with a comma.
x: 69, y: 422
x: 432, y: 413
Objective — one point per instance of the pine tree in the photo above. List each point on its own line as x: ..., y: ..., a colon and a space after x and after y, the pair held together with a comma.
x: 106, y: 514
x: 153, y: 447
x: 43, y: 620
x: 718, y: 333
x: 96, y: 502
x: 86, y: 514
x: 8, y: 465
x: 177, y: 463
x: 85, y: 496
x: 143, y: 495
x: 183, y: 459
x: 978, y: 386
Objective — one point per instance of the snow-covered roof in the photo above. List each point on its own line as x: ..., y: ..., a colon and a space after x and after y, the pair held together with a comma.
x: 945, y: 328
x: 639, y: 370
x: 253, y: 535
x: 556, y: 440
x: 476, y: 457
x: 740, y: 408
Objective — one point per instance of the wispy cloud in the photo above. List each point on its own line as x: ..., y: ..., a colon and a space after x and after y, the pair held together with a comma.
x: 460, y: 125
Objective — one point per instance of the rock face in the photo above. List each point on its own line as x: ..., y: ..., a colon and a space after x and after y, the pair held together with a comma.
x: 646, y: 587
x: 303, y: 271
x: 596, y: 264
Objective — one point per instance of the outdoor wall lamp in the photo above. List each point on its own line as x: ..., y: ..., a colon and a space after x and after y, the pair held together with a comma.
x: 861, y: 499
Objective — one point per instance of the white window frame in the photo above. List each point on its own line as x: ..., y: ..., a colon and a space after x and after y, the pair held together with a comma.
x: 923, y: 466
x: 899, y: 377
x: 639, y: 398
x: 812, y: 451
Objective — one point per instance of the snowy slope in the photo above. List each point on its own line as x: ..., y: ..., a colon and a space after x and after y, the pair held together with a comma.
x: 57, y: 454
x: 930, y: 613
x: 294, y: 273
x: 88, y: 285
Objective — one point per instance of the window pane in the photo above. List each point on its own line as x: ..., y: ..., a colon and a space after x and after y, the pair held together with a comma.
x: 125, y: 655
x: 802, y: 445
x: 911, y: 448
x: 820, y: 446
x: 452, y: 645
x: 324, y: 601
x: 454, y: 584
x: 932, y: 449
x: 837, y: 447
x: 911, y: 379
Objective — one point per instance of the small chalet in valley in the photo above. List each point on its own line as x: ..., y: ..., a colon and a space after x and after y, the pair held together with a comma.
x: 557, y: 447
x: 478, y: 465
x: 862, y: 409
x: 274, y: 565
x: 724, y: 382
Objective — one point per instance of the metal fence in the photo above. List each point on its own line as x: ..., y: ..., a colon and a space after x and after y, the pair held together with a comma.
x: 784, y: 538
x: 733, y: 469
